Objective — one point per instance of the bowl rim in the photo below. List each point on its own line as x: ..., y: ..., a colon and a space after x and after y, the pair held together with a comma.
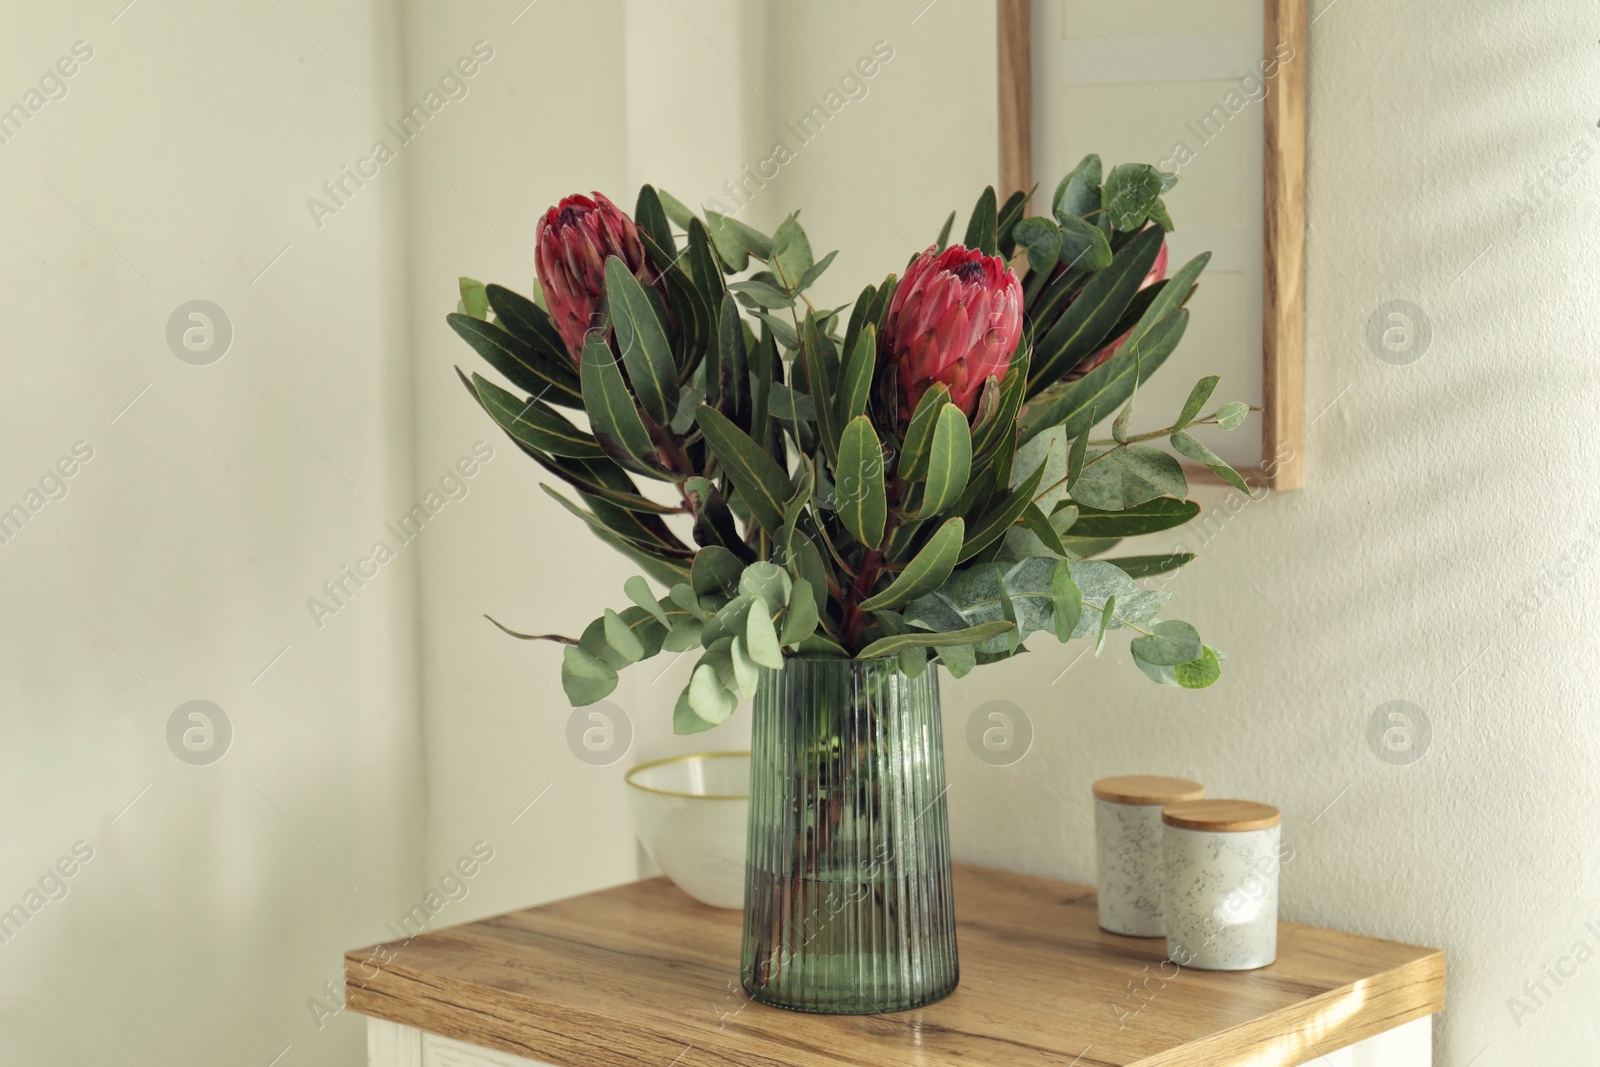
x: 726, y: 754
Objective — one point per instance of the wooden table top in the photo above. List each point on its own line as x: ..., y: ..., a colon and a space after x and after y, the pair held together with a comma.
x: 642, y: 974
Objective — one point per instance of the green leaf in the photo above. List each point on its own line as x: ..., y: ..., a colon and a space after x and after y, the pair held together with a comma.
x: 1006, y: 221
x: 1153, y: 516
x: 1021, y: 593
x: 863, y: 507
x: 534, y: 423
x: 1160, y: 216
x: 612, y: 413
x: 1190, y: 446
x: 999, y: 518
x: 1079, y: 192
x: 706, y: 696
x: 1083, y: 245
x: 1106, y: 615
x: 585, y: 678
x: 816, y: 269
x: 1200, y: 672
x: 761, y: 638
x: 675, y: 209
x: 897, y: 643
x: 800, y: 621
x: 761, y: 294
x: 768, y: 583
x: 1109, y: 385
x: 716, y: 572
x: 1101, y: 582
x: 1067, y: 601
x: 550, y: 376
x: 1080, y: 450
x: 929, y: 570
x: 944, y: 232
x: 1085, y: 326
x: 981, y: 228
x: 1173, y: 294
x: 791, y: 253
x: 1197, y: 673
x: 619, y: 637
x: 1229, y: 416
x: 789, y: 405
x: 643, y: 341
x: 684, y: 719
x: 1168, y: 644
x: 1197, y: 398
x: 746, y: 672
x: 820, y: 364
x: 1039, y: 525
x: 949, y: 462
x: 762, y: 484
x: 735, y: 241
x: 638, y: 591
x: 1145, y: 566
x: 474, y: 299
x: 1042, y: 238
x: 856, y: 384
x: 1120, y: 478
x: 918, y: 445
x: 1130, y: 192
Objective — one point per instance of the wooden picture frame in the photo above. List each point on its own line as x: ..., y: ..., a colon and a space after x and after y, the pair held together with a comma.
x: 1283, y: 217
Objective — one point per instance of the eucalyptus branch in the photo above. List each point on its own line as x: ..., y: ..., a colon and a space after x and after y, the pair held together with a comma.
x: 558, y: 638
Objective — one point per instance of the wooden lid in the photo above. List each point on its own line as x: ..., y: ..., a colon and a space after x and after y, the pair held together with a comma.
x: 1220, y: 816
x: 1147, y: 789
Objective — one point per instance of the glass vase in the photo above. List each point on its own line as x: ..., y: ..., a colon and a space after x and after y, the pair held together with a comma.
x: 848, y: 905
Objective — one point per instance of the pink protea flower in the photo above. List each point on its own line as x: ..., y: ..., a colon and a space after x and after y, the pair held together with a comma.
x: 955, y: 319
x: 572, y: 243
x: 1157, y: 272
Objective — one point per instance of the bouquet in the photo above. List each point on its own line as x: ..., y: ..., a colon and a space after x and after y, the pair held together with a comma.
x: 914, y: 475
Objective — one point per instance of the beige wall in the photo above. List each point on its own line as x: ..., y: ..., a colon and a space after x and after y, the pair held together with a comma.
x: 178, y: 565
x: 1436, y: 555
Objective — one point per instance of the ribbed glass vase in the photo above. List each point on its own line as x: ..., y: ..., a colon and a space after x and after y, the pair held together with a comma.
x: 848, y: 906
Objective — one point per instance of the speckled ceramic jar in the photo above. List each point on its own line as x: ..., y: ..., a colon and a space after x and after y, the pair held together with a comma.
x: 1129, y: 860
x: 1220, y: 888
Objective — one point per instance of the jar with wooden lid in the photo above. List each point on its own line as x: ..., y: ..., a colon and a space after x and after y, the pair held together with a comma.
x: 1220, y: 884
x: 1129, y: 860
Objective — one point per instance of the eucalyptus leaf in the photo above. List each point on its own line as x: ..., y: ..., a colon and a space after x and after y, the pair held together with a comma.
x: 474, y: 298
x: 1168, y: 644
x: 1131, y: 190
x: 1128, y: 475
x: 761, y: 639
x: 1083, y: 245
x: 1079, y: 192
x: 706, y: 696
x: 1190, y: 446
x: 1042, y: 239
x: 1229, y: 416
x: 584, y: 678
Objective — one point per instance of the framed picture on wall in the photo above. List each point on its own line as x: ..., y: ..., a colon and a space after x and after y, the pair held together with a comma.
x: 1214, y: 94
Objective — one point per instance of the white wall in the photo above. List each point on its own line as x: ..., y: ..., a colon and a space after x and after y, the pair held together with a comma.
x: 218, y: 898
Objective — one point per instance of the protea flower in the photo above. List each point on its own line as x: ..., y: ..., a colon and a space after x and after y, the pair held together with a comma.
x: 1157, y: 272
x: 572, y: 242
x: 954, y: 319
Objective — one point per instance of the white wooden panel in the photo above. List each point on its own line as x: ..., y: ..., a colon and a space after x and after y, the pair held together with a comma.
x: 392, y: 1045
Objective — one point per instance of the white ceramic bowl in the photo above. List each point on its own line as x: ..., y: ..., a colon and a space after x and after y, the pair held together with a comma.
x: 691, y: 814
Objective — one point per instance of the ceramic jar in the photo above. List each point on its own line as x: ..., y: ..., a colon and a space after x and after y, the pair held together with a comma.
x: 1129, y: 858
x: 1220, y: 884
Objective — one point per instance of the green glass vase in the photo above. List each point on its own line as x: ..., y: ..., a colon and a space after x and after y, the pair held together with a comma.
x: 848, y: 904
